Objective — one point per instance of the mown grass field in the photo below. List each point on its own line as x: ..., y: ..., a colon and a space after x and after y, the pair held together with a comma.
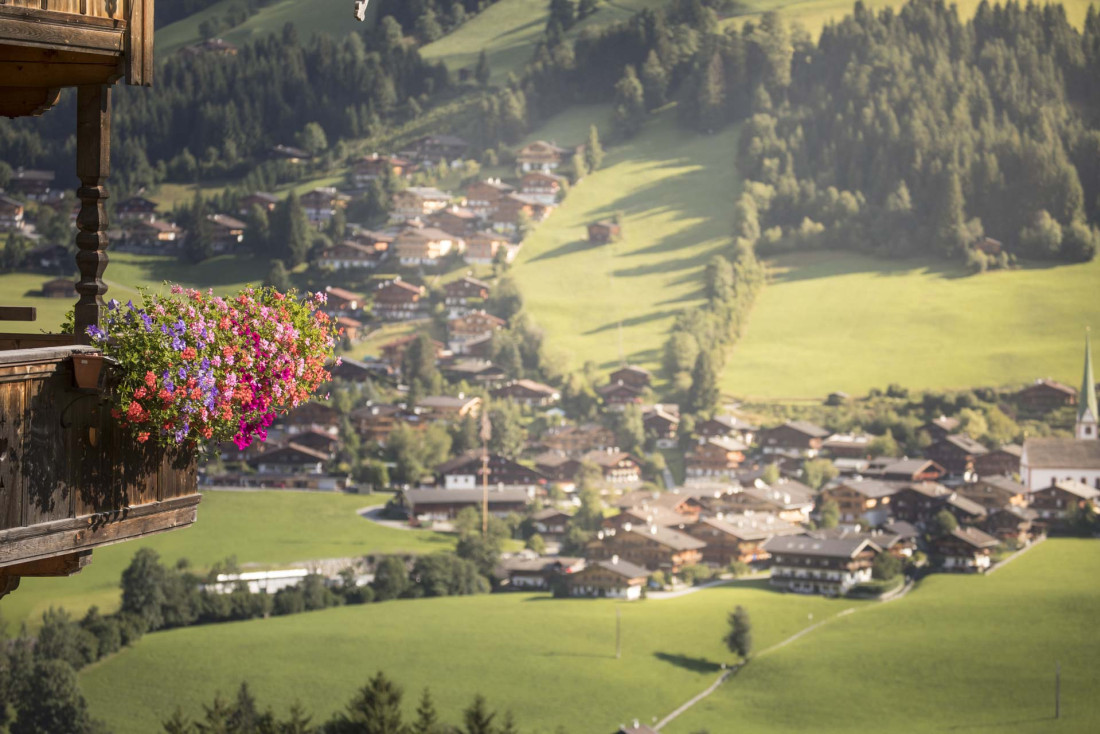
x: 840, y: 321
x: 550, y: 661
x: 263, y: 528
x: 968, y: 652
x: 960, y: 654
x: 671, y: 189
x: 315, y: 16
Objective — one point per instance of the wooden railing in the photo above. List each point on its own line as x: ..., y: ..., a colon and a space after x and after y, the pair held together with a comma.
x: 71, y: 478
x: 116, y: 9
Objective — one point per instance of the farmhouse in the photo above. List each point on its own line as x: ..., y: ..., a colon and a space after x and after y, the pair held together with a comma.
x: 310, y: 415
x: 904, y: 470
x: 793, y: 438
x: 457, y: 221
x: 375, y: 422
x: 964, y: 549
x: 847, y: 445
x: 262, y: 199
x: 393, y: 352
x: 350, y: 254
x: 540, y: 156
x: 397, y: 300
x: 449, y: 408
x: 374, y: 166
x: 791, y: 500
x: 738, y: 537
x: 653, y: 547
x: 482, y: 196
x: 33, y: 184
x: 475, y: 325
x: 290, y: 459
x: 511, y: 209
x: 715, y: 458
x: 435, y: 148
x: 152, y: 237
x: 727, y: 425
x: 432, y: 505
x: 616, y: 467
x: 917, y: 503
x: 632, y: 375
x: 618, y: 395
x: 862, y: 499
x: 339, y: 301
x: 551, y: 524
x: 613, y: 578
x: 479, y: 371
x: 417, y: 201
x: 483, y: 248
x: 521, y: 573
x: 940, y: 428
x: 11, y: 214
x: 578, y: 439
x: 225, y: 232
x: 545, y: 188
x: 995, y: 492
x: 1059, y: 501
x: 1004, y: 461
x: 956, y: 453
x: 136, y: 209
x: 465, y: 472
x: 604, y: 231
x: 464, y: 293
x: 829, y: 566
x: 1043, y: 396
x: 424, y: 245
x: 320, y: 204
x: 662, y: 421
x: 1010, y: 523
x: 528, y: 392
x: 357, y: 370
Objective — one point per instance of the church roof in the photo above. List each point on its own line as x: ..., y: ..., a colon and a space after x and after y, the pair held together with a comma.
x: 1086, y: 406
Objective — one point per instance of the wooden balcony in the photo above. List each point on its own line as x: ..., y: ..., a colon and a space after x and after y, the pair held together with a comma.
x: 49, y: 44
x: 71, y: 479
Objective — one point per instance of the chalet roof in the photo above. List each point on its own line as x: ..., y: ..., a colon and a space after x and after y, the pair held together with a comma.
x: 906, y: 467
x: 428, y: 192
x: 531, y: 385
x: 928, y: 489
x: 726, y: 443
x: 495, y: 183
x: 902, y: 529
x: 157, y: 226
x: 463, y: 496
x: 872, y: 488
x: 806, y: 545
x: 847, y: 440
x: 758, y: 526
x: 547, y: 513
x: 553, y: 459
x: 1062, y: 453
x: 974, y: 537
x: 479, y: 316
x: 401, y: 284
x: 525, y: 199
x: 30, y: 174
x: 670, y: 412
x: 1014, y: 449
x: 1022, y: 513
x: 633, y: 368
x: 466, y: 458
x: 8, y: 201
x: 626, y: 569
x: 965, y: 443
x: 617, y: 387
x: 542, y: 144
x: 606, y: 458
x: 342, y: 294
x: 1005, y: 484
x: 446, y: 401
x: 668, y: 537
x: 1054, y: 385
x: 967, y: 505
x: 425, y: 234
x: 227, y: 221
x: 467, y: 280
x: 1080, y: 489
x: 786, y: 493
x: 882, y: 539
x: 542, y: 564
x: 303, y: 454
x: 455, y: 211
x: 806, y: 428
x: 365, y: 250
x: 473, y: 367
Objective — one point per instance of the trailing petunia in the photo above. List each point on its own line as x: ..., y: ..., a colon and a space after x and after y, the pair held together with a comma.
x: 198, y: 367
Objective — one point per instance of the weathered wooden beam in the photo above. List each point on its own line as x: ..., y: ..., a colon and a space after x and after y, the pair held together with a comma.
x: 18, y: 313
x: 65, y: 565
x: 36, y: 75
x: 26, y: 101
x: 62, y: 31
x: 93, y: 166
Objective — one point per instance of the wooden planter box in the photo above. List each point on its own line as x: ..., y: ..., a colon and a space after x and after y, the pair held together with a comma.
x: 71, y: 478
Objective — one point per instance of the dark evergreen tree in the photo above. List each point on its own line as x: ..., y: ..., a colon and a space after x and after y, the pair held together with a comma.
x: 628, y: 105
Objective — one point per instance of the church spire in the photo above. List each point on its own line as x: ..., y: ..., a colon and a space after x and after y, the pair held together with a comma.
x: 1087, y: 413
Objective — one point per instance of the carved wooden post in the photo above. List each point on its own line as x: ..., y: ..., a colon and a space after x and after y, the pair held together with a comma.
x: 93, y: 165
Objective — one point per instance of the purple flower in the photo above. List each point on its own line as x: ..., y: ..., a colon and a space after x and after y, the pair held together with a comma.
x: 182, y: 373
x: 96, y: 333
x: 178, y: 344
x: 112, y: 305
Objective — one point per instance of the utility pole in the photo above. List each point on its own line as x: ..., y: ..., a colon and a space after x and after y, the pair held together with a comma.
x: 1057, y: 690
x: 486, y: 434
x: 618, y: 633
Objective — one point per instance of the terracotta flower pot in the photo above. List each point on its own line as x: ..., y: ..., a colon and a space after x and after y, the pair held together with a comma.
x: 89, y: 372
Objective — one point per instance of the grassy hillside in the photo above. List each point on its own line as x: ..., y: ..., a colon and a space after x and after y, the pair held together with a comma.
x: 257, y: 527
x: 550, y: 661
x: 315, y: 16
x: 840, y: 321
x: 960, y: 654
x: 988, y: 667
x: 672, y: 189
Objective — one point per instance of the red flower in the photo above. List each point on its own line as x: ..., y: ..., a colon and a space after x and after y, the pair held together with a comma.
x: 150, y: 379
x: 143, y: 437
x: 139, y: 393
x: 188, y: 353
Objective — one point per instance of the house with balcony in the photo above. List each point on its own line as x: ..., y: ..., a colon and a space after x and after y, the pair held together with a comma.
x: 399, y: 300
x: 542, y: 156
x: 482, y: 196
x: 653, y: 547
x: 418, y: 202
x: 794, y: 438
x: 484, y: 248
x: 964, y: 549
x: 529, y: 393
x: 425, y: 246
x: 827, y: 566
x: 545, y: 188
x: 11, y: 214
x: 738, y: 538
x: 862, y: 499
x: 612, y: 578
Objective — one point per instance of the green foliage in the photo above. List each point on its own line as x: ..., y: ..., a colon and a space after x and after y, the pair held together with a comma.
x: 391, y: 578
x: 277, y: 277
x: 51, y: 702
x: 739, y: 637
x: 628, y: 105
x: 829, y: 514
x: 771, y: 473
x: 536, y: 544
x: 816, y: 472
x: 593, y: 151
x: 375, y: 709
x: 942, y: 524
x: 885, y: 567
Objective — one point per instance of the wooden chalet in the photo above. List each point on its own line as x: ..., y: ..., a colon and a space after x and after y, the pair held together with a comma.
x: 738, y: 537
x: 424, y: 245
x: 448, y: 407
x: 653, y: 547
x: 995, y: 492
x: 374, y: 166
x: 471, y: 326
x: 350, y: 254
x: 466, y: 472
x: 398, y: 300
x: 34, y: 184
x: 425, y: 506
x: 321, y: 204
x: 342, y: 302
x: 71, y: 478
x: 483, y: 248
x: 290, y: 459
x: 226, y: 232
x: 662, y: 422
x: 474, y: 371
x: 375, y: 422
x: 418, y: 201
x: 155, y: 237
x: 578, y: 439
x: 522, y: 573
x: 829, y: 566
x: 964, y: 549
x: 1004, y: 461
x: 59, y: 288
x: 612, y: 578
x: 1060, y: 501
x: 136, y: 209
x: 617, y: 395
x: 466, y: 292
x: 1043, y: 396
x: 541, y: 156
x: 393, y: 353
x: 715, y: 458
x: 604, y: 231
x: 545, y: 188
x: 862, y: 499
x: 727, y: 425
x: 434, y: 148
x: 793, y: 438
x: 11, y: 214
x: 847, y: 445
x: 1011, y: 523
x: 482, y: 196
x: 456, y: 220
x: 308, y: 416
x: 262, y: 199
x: 529, y: 393
x: 551, y: 524
x: 918, y: 503
x: 941, y: 427
x: 289, y: 154
x: 616, y: 467
x: 956, y: 453
x: 889, y: 469
x: 629, y: 374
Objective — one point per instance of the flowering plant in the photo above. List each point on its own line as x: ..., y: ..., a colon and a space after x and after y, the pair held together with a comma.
x: 195, y: 366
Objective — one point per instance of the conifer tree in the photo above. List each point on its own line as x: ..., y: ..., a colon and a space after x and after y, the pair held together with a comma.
x: 704, y: 395
x: 375, y: 709
x: 628, y: 104
x: 277, y: 277
x: 477, y: 718
x: 426, y: 716
x: 654, y: 81
x: 482, y: 72
x: 593, y: 151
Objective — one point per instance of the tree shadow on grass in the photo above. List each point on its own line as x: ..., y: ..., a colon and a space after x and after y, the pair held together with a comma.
x: 569, y: 248
x: 695, y: 665
x: 1001, y: 725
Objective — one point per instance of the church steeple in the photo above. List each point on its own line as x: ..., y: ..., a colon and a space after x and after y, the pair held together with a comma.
x: 1087, y: 413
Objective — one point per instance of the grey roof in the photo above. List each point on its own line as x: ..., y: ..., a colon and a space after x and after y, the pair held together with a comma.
x: 827, y: 547
x: 872, y: 488
x: 810, y: 429
x: 549, y: 512
x: 902, y: 529
x: 882, y: 539
x: 447, y: 496
x: 1062, y: 453
x: 626, y: 569
x: 786, y: 493
x: 751, y: 527
x: 1005, y: 484
x: 966, y: 504
x: 974, y: 537
x: 668, y: 537
x: 908, y: 467
x: 1023, y: 513
x: 1080, y: 489
x: 966, y: 443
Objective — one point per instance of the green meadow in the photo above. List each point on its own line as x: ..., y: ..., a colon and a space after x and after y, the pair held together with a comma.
x: 600, y: 302
x: 841, y: 321
x: 315, y: 16
x: 959, y: 653
x: 262, y: 528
